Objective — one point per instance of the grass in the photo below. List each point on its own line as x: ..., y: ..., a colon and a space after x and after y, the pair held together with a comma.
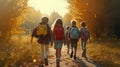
x: 21, y: 52
x: 18, y: 53
x: 105, y: 53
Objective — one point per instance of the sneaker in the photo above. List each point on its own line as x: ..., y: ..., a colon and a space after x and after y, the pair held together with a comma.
x: 71, y: 55
x: 68, y: 52
x: 83, y: 55
x: 58, y: 60
x: 74, y: 57
x: 41, y: 64
x: 46, y: 62
x: 58, y: 64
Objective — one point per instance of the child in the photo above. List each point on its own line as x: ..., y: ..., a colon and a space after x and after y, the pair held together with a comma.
x: 58, y: 37
x: 84, y: 36
x: 74, y: 37
x: 67, y: 39
x: 44, y: 38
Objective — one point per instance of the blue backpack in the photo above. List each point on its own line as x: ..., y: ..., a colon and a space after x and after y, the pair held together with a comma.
x: 74, y: 33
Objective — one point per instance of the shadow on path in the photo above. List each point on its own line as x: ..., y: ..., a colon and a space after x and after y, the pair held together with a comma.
x: 86, y: 62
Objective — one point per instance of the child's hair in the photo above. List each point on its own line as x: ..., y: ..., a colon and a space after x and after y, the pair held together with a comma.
x: 73, y: 22
x: 83, y: 23
x: 67, y: 27
x: 57, y: 21
x: 44, y: 20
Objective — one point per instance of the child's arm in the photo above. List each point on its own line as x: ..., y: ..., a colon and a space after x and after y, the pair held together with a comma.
x: 89, y: 37
x: 33, y: 33
x: 31, y: 39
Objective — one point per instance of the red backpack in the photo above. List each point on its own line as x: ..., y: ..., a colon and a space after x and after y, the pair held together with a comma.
x: 58, y: 33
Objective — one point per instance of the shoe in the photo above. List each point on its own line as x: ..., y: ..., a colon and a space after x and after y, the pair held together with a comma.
x: 46, y: 62
x: 83, y: 55
x: 58, y: 60
x: 68, y: 52
x: 41, y: 65
x: 58, y: 64
x: 71, y: 55
x: 74, y: 57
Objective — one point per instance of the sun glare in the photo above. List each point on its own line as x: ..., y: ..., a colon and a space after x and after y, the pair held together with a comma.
x: 48, y: 6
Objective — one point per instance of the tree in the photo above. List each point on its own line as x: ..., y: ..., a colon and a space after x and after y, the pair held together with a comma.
x: 11, y: 16
x: 102, y: 16
x: 53, y: 16
x: 32, y: 19
x: 67, y: 20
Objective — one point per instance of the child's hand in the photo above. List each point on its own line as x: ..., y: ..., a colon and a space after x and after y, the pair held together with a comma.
x: 68, y: 39
x: 88, y: 40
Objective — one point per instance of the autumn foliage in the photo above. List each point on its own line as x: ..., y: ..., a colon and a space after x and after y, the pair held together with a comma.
x: 11, y: 16
x: 102, y: 16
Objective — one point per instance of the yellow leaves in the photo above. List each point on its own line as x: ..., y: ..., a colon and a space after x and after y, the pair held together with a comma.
x: 12, y: 15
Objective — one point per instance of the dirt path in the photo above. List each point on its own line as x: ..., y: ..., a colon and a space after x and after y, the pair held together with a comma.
x: 66, y: 61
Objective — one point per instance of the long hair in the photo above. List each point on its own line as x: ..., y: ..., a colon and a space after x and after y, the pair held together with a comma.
x: 57, y: 21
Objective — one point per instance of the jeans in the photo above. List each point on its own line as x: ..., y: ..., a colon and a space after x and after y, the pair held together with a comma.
x: 44, y: 51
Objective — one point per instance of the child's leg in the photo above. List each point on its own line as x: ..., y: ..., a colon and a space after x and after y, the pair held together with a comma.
x: 46, y: 54
x: 83, y: 44
x: 84, y: 49
x: 58, y: 56
x: 75, y: 48
x: 68, y: 46
x: 58, y: 47
x: 42, y: 53
x: 72, y: 47
x: 46, y: 50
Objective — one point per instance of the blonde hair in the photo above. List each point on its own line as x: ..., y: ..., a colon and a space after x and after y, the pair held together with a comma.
x: 73, y: 22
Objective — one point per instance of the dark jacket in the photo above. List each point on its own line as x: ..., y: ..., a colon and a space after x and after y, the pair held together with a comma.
x: 44, y: 39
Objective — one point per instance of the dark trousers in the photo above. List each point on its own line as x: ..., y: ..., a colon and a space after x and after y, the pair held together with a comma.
x: 83, y: 45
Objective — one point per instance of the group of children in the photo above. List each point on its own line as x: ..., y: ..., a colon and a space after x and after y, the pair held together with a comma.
x: 59, y: 36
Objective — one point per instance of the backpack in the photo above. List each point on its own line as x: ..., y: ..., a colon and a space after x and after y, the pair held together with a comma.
x: 84, y: 34
x: 58, y: 33
x: 74, y: 33
x: 41, y: 30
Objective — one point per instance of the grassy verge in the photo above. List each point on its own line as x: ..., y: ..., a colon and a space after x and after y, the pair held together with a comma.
x: 18, y: 53
x: 105, y: 53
